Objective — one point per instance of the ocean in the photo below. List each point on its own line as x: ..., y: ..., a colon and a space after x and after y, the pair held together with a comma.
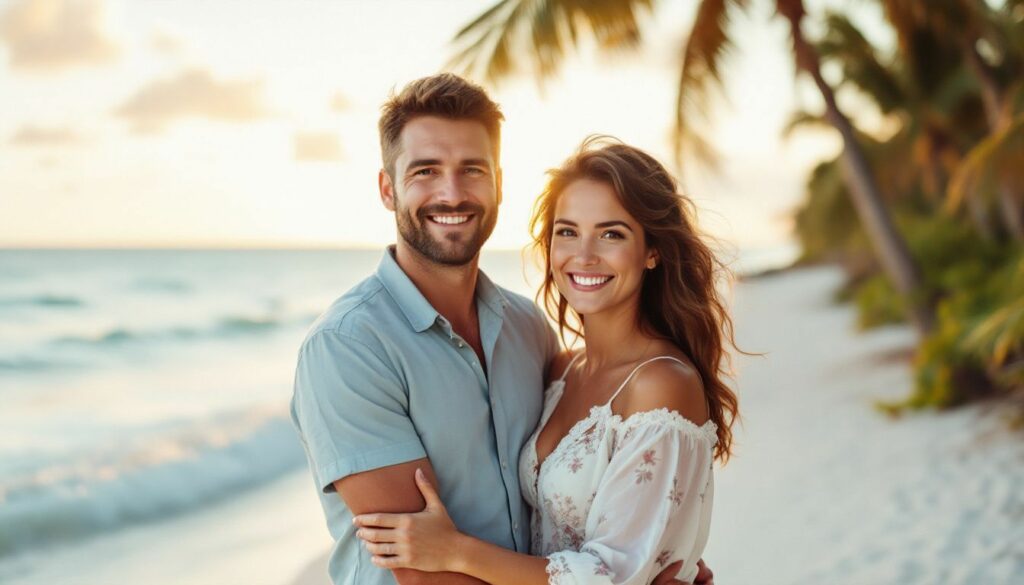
x: 142, y: 385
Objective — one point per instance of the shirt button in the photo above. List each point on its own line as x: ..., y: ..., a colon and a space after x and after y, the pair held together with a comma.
x: 462, y: 344
x: 515, y: 526
x: 504, y: 465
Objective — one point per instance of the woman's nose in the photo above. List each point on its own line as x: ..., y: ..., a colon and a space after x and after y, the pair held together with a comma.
x: 585, y: 254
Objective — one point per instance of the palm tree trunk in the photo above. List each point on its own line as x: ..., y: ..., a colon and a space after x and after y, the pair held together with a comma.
x: 891, y: 249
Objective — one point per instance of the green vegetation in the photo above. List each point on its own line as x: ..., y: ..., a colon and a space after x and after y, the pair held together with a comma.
x: 953, y: 172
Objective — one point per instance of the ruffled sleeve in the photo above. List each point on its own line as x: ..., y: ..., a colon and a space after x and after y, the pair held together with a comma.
x: 647, y: 510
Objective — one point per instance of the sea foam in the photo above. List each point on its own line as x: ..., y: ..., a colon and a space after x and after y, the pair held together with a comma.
x: 156, y: 478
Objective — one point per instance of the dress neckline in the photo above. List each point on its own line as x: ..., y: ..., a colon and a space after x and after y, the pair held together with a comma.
x: 574, y: 431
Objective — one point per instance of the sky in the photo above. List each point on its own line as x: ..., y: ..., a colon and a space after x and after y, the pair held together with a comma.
x: 253, y: 123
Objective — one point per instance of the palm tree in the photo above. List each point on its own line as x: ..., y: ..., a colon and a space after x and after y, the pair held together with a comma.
x: 548, y: 28
x: 968, y: 24
x: 926, y: 98
x: 934, y: 101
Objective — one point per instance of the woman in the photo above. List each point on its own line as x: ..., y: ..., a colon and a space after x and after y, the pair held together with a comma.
x: 619, y: 470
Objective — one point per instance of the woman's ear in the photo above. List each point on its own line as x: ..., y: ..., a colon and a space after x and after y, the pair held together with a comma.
x: 652, y: 259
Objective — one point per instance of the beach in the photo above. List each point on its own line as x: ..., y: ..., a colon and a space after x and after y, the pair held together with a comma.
x: 823, y: 488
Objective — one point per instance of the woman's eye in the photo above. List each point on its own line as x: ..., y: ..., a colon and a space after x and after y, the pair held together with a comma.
x: 612, y: 235
x: 564, y: 232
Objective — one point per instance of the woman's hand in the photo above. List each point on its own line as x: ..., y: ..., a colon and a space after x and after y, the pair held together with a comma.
x: 427, y: 540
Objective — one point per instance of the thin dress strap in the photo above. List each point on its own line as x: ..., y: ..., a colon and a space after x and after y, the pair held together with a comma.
x: 636, y: 369
x: 568, y: 367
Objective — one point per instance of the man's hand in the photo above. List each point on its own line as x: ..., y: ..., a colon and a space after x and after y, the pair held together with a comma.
x: 704, y: 575
x: 668, y: 575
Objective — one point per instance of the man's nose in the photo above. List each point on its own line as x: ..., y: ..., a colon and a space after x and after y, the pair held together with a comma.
x: 449, y: 189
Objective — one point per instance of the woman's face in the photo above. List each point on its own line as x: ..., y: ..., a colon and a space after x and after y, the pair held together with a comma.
x: 598, y: 252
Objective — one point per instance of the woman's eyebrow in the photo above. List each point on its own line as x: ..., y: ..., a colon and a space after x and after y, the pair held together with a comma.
x: 600, y: 225
x: 612, y: 223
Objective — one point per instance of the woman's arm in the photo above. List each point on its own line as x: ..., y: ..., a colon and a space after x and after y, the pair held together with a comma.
x: 500, y: 566
x: 429, y: 541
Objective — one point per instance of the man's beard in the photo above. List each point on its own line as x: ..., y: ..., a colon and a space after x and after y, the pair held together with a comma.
x: 457, y: 249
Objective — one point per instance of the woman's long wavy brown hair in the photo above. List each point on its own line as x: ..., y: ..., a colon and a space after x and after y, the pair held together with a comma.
x: 679, y: 300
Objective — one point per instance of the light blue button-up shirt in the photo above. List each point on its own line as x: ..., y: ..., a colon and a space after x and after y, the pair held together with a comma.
x: 383, y: 379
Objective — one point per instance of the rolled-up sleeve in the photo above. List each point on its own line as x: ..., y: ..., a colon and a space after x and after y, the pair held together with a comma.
x: 646, y: 510
x: 350, y: 408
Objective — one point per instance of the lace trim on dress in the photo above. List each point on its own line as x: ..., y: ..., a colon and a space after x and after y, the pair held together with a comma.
x: 559, y: 572
x: 584, y: 426
x: 558, y: 569
x: 663, y: 417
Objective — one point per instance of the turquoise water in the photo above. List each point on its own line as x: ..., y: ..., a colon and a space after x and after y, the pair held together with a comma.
x: 141, y: 384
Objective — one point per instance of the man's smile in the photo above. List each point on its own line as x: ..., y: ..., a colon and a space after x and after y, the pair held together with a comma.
x: 450, y: 218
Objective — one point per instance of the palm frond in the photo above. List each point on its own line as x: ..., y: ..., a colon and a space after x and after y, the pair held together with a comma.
x: 802, y: 119
x: 700, y: 74
x: 485, y: 41
x: 538, y: 33
x: 845, y: 44
x: 1000, y: 334
x: 992, y: 162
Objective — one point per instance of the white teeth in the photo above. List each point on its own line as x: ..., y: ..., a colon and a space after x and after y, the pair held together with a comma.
x: 590, y: 280
x: 450, y: 219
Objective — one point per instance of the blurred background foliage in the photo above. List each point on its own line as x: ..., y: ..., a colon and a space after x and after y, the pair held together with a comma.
x: 927, y: 219
x: 953, y: 176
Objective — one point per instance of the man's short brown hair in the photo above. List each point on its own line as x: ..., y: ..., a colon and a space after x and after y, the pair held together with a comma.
x: 444, y: 95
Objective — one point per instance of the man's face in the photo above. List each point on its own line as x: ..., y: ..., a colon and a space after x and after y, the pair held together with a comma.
x: 446, y: 189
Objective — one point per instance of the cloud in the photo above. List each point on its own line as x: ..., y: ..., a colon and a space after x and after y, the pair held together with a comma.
x: 39, y: 136
x: 52, y: 35
x: 193, y: 94
x: 340, y: 103
x: 317, y: 146
x: 166, y: 44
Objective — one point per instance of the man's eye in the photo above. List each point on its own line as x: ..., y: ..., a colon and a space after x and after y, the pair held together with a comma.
x: 474, y: 171
x: 424, y: 172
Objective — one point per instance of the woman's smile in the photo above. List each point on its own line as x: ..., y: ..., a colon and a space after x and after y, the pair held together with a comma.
x: 587, y: 281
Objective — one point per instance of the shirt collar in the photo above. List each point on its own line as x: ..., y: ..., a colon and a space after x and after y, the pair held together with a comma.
x: 489, y: 294
x: 416, y: 308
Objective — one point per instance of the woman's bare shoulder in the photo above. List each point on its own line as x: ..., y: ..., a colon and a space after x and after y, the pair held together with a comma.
x: 666, y: 384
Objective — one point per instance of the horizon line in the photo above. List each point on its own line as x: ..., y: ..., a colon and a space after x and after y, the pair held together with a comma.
x: 215, y: 248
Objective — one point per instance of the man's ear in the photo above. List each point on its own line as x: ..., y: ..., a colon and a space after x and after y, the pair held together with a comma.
x: 387, y: 189
x: 497, y: 184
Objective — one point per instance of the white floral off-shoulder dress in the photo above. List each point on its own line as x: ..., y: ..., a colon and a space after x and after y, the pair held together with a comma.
x: 618, y: 500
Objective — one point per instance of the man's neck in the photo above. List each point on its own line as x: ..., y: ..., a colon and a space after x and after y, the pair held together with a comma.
x: 451, y: 290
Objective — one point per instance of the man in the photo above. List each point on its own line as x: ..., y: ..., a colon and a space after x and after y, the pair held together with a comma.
x: 426, y: 364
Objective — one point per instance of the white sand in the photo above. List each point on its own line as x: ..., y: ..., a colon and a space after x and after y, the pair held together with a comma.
x: 826, y: 490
